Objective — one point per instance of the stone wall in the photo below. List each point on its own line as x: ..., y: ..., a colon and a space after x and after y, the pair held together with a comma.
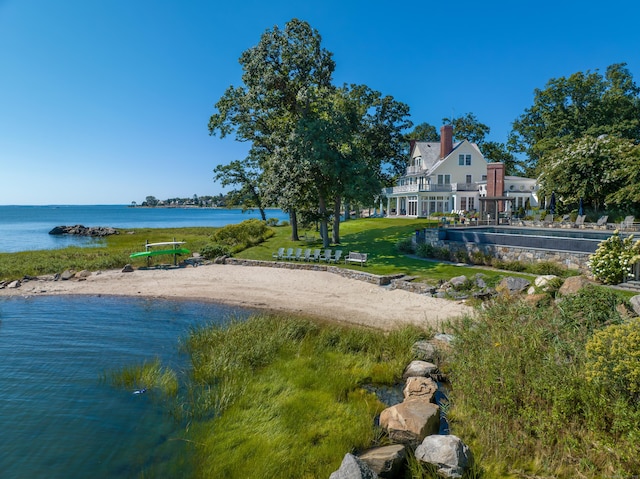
x: 570, y: 260
x: 345, y: 272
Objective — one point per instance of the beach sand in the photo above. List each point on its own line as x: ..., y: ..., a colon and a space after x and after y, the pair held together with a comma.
x: 317, y: 294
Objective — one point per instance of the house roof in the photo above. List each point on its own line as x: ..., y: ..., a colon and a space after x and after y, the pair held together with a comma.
x: 430, y: 153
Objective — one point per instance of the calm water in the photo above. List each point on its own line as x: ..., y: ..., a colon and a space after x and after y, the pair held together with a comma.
x: 25, y: 228
x: 58, y: 417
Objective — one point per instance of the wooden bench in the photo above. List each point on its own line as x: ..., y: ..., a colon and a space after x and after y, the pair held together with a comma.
x: 353, y: 257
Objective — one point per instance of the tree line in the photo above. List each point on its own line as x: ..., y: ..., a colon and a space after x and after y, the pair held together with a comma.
x: 317, y: 148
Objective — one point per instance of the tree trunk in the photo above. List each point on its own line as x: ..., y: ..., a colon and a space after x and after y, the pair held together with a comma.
x: 324, y: 227
x: 336, y: 220
x: 347, y: 211
x: 293, y: 221
x: 263, y: 214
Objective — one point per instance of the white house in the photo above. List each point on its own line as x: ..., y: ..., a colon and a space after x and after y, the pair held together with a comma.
x: 442, y: 177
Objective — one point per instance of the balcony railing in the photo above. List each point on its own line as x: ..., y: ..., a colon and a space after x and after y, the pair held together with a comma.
x: 431, y: 188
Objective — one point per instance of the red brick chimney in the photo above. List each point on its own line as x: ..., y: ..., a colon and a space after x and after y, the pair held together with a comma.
x: 446, y: 140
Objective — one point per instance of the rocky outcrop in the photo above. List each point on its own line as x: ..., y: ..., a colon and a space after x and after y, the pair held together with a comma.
x: 448, y: 454
x: 512, y: 285
x: 79, y: 230
x: 420, y: 368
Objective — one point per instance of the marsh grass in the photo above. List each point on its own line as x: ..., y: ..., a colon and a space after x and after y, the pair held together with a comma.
x: 151, y: 376
x: 519, y: 395
x: 285, y: 394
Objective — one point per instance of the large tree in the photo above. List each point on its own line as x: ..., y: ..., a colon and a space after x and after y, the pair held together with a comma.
x: 584, y: 104
x: 277, y: 75
x: 317, y: 145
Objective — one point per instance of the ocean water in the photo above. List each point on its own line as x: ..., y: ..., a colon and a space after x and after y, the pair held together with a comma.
x: 26, y: 228
x: 59, y: 417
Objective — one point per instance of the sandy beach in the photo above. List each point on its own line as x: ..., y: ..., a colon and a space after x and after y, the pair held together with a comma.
x: 313, y: 293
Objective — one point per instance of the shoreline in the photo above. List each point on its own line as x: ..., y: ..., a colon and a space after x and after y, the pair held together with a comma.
x: 320, y: 294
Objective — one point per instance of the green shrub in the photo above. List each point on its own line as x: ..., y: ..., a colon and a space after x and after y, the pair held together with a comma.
x: 613, y: 359
x: 424, y: 250
x: 214, y: 250
x: 546, y: 267
x: 612, y: 261
x: 405, y: 246
x: 238, y: 237
x: 272, y: 221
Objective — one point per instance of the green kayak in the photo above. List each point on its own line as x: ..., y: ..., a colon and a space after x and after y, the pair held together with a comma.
x: 146, y: 254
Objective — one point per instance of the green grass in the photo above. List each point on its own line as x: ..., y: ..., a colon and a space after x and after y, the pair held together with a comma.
x: 378, y: 238
x: 289, y: 401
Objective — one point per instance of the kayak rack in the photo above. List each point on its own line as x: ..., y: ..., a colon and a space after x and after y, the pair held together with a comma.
x: 167, y: 248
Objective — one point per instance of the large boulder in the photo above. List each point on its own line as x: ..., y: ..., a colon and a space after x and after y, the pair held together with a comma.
x: 410, y: 421
x: 353, y: 468
x: 419, y: 368
x: 448, y: 454
x: 425, y: 350
x: 420, y: 388
x: 386, y: 461
x: 512, y: 285
x: 572, y: 285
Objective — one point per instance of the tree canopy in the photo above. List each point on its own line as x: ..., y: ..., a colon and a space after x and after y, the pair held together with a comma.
x: 316, y: 144
x: 584, y: 104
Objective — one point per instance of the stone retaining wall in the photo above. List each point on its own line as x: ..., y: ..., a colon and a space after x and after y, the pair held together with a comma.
x: 570, y: 260
x: 345, y: 272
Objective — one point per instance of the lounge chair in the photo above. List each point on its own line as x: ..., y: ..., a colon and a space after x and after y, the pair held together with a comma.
x: 627, y: 223
x: 316, y: 255
x: 298, y: 255
x: 602, y: 222
x: 579, y: 222
x: 289, y: 254
x: 566, y: 220
x: 548, y: 220
x: 307, y: 255
x: 279, y: 254
x: 326, y: 256
x: 336, y: 256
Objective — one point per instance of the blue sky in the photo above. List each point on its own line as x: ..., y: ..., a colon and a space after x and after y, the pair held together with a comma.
x: 107, y: 102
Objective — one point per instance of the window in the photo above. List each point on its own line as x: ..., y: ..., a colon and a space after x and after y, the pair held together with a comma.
x: 469, y: 180
x: 463, y: 203
x: 484, y: 177
x: 471, y: 203
x: 461, y: 160
x: 444, y: 179
x: 467, y: 160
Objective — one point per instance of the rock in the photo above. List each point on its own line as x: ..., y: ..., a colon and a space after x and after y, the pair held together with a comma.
x: 127, y: 268
x: 446, y: 338
x: 67, y: 275
x: 386, y: 461
x: 535, y: 299
x: 512, y: 285
x: 419, y: 368
x: 458, y: 281
x: 572, y: 285
x: 353, y: 468
x: 479, y: 280
x: 83, y: 274
x: 420, y: 388
x: 448, y: 453
x: 98, y: 231
x: 424, y: 350
x: 635, y: 303
x: 410, y: 421
x: 14, y: 284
